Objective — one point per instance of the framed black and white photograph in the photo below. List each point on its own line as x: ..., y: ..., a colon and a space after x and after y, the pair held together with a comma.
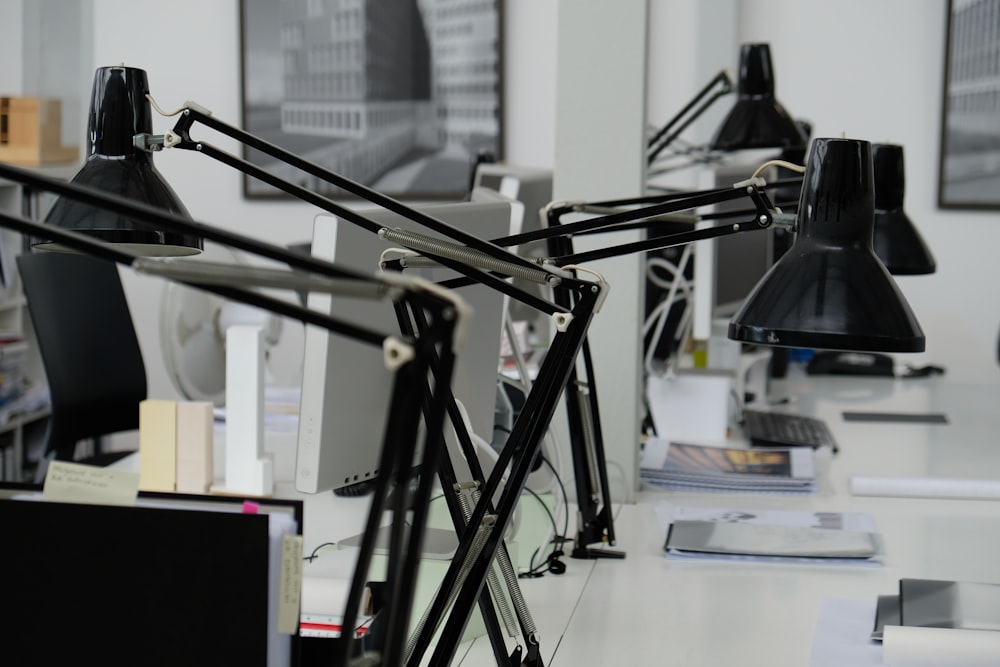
x: 969, y: 175
x: 398, y: 95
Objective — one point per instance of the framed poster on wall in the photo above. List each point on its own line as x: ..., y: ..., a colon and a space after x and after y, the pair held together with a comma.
x: 969, y: 175
x: 399, y: 95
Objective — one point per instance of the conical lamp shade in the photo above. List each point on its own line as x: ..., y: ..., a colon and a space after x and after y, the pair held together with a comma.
x: 830, y: 291
x: 119, y: 110
x: 757, y: 120
x: 897, y: 242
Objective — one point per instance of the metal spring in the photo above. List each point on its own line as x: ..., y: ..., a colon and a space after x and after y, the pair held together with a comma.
x: 478, y: 542
x: 513, y: 585
x: 491, y: 578
x: 466, y: 255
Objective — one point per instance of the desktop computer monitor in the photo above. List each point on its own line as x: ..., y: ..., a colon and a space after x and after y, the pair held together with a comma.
x: 741, y: 260
x: 531, y: 187
x: 345, y: 385
x: 174, y: 580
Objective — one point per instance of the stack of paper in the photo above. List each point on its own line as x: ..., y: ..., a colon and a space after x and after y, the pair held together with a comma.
x: 837, y: 538
x: 689, y: 467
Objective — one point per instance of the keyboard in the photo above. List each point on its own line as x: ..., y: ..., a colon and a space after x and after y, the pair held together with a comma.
x: 780, y: 429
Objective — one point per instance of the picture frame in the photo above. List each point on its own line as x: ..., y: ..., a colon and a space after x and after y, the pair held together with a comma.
x: 404, y: 100
x: 969, y: 172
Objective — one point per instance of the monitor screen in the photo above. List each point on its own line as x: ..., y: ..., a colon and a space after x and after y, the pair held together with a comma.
x: 741, y: 260
x: 346, y: 386
x: 175, y: 580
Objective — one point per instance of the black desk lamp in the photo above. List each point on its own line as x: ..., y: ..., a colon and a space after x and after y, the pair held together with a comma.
x: 119, y: 111
x: 830, y: 291
x: 757, y: 120
x: 897, y: 242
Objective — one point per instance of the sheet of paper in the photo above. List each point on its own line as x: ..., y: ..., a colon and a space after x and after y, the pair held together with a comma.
x: 842, y: 634
x: 67, y: 482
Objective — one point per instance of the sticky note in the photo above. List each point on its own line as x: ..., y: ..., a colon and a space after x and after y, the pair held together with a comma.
x: 67, y: 482
x: 290, y: 590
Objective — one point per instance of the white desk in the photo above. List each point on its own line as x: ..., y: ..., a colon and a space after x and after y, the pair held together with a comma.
x: 645, y: 610
x: 648, y: 611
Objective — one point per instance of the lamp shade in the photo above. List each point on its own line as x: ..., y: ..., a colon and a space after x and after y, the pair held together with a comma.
x: 897, y: 242
x: 119, y: 110
x: 757, y: 120
x: 830, y: 291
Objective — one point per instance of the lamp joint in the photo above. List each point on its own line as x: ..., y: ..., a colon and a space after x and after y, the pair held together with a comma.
x: 151, y: 143
x: 786, y: 221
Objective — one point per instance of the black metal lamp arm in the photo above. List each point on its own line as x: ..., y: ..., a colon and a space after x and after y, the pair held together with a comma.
x: 506, y: 261
x: 658, y: 142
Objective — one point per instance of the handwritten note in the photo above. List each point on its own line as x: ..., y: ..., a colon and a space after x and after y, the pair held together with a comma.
x: 76, y: 483
x: 290, y: 592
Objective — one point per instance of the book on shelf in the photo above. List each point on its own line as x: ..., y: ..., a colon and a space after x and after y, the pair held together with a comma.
x: 683, y: 466
x: 787, y: 536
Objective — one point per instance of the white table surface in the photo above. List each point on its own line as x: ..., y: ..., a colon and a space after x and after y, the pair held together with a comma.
x: 645, y: 610
x: 648, y: 611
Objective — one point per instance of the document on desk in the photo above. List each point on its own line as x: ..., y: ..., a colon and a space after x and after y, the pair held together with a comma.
x: 683, y: 466
x: 788, y: 536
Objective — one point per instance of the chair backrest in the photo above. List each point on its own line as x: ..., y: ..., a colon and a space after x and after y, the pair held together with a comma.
x: 88, y: 346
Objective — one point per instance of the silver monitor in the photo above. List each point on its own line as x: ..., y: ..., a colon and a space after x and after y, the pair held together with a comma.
x: 532, y: 187
x: 346, y: 387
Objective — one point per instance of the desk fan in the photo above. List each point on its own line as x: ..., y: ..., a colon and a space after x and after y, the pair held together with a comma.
x: 193, y: 328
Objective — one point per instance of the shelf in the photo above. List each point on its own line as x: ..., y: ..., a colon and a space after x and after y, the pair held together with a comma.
x: 23, y: 419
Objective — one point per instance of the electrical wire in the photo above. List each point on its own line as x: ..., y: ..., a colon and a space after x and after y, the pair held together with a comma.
x: 661, y: 313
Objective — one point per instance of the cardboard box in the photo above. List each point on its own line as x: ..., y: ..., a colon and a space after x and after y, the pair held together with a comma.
x: 31, y: 132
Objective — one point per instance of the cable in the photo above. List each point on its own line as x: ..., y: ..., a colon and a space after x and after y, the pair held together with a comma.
x: 791, y: 166
x: 663, y: 309
x: 315, y: 552
x: 546, y: 565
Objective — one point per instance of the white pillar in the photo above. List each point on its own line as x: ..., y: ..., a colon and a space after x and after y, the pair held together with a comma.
x: 600, y: 154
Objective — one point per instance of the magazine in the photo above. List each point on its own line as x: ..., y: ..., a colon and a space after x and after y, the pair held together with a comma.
x: 773, y: 536
x: 682, y: 466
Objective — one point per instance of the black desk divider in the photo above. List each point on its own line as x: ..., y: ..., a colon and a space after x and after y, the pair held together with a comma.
x: 145, y: 585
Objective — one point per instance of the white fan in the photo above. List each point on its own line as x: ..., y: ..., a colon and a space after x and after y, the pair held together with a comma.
x: 193, y: 328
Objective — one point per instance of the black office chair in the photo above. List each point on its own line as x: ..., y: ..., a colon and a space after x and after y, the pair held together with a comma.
x: 89, y: 349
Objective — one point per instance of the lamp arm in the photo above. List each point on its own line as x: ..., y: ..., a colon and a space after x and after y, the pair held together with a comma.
x: 476, y: 275
x: 190, y: 115
x: 665, y: 204
x: 658, y: 142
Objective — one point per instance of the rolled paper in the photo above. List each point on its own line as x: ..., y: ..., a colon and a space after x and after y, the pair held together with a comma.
x: 906, y: 646
x: 925, y: 487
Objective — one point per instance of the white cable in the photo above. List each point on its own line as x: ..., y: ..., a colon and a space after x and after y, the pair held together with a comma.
x: 791, y: 166
x: 187, y: 105
x: 669, y: 301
